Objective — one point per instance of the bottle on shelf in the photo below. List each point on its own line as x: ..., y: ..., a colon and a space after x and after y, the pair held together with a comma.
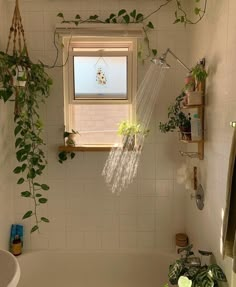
x: 196, y: 128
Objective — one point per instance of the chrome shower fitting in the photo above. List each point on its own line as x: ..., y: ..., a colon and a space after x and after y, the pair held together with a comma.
x: 162, y: 60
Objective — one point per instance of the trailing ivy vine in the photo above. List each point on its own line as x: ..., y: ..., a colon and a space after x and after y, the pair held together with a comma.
x: 28, y: 85
x: 123, y: 16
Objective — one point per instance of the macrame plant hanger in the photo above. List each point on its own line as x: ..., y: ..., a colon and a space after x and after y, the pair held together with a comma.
x: 17, y: 34
x: 17, y: 40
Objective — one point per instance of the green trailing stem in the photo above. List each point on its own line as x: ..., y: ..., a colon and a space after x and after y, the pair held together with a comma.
x: 28, y: 125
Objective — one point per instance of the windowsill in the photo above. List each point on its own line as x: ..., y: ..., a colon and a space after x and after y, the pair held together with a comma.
x: 86, y: 148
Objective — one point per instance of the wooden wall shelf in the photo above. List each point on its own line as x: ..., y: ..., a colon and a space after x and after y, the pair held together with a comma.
x: 85, y: 148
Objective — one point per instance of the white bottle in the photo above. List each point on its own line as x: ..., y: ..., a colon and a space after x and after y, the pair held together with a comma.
x: 196, y: 128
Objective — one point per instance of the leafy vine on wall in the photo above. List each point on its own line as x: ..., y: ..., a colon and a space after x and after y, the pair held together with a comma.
x: 122, y: 16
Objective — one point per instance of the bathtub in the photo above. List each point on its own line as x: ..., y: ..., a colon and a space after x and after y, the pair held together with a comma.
x: 73, y: 269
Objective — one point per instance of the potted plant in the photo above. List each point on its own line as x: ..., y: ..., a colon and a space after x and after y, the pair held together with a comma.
x: 28, y: 85
x: 129, y: 131
x: 199, y: 73
x: 188, y: 271
x: 71, y: 137
x: 195, y: 84
x: 177, y: 119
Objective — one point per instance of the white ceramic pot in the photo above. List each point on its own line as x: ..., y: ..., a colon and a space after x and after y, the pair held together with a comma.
x: 20, y: 74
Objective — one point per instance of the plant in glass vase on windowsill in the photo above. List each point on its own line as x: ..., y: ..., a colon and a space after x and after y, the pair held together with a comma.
x: 177, y: 119
x: 71, y: 137
x: 70, y: 140
x: 129, y: 131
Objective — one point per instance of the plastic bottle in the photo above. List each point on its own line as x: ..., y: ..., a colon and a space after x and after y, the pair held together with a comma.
x: 196, y: 128
x: 16, y: 247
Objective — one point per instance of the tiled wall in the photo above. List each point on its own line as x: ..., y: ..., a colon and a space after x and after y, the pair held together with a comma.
x: 84, y: 214
x: 7, y: 147
x: 215, y: 39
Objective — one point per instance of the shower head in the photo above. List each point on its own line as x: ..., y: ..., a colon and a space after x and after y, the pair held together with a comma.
x: 161, y: 62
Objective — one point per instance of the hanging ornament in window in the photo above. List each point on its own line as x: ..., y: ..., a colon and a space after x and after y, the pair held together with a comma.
x: 101, y: 78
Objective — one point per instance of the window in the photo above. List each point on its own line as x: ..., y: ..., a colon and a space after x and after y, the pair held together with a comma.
x: 99, y: 81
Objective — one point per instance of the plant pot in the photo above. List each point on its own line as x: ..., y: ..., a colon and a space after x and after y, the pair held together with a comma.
x: 194, y: 98
x: 185, y: 133
x: 71, y: 140
x: 189, y: 81
x: 128, y: 142
x: 19, y: 80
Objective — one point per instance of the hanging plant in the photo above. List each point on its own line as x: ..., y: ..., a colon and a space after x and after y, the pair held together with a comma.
x: 27, y: 84
x: 28, y: 125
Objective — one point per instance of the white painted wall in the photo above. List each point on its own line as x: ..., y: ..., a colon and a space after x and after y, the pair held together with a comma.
x: 84, y: 214
x: 215, y: 39
x: 6, y: 146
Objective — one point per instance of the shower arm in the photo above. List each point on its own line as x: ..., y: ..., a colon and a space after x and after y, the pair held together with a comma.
x: 178, y: 59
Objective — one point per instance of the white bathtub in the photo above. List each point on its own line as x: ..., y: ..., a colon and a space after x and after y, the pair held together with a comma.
x: 68, y: 269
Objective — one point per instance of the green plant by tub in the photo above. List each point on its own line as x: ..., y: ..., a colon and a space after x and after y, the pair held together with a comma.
x: 185, y: 274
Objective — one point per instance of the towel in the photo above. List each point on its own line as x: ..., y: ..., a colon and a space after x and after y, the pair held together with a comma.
x: 229, y: 222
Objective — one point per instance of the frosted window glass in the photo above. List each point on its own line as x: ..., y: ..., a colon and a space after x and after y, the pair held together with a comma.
x: 100, y: 77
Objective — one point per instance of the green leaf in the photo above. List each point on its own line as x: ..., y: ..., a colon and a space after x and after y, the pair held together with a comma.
x: 31, y: 174
x: 38, y: 195
x: 25, y: 193
x: 72, y: 155
x: 121, y: 12
x: 43, y: 200
x: 217, y: 273
x: 175, y: 272
x: 139, y: 17
x: 61, y: 15
x: 139, y: 54
x: 150, y: 25
x: 18, y: 169
x: 36, y: 184
x: 126, y: 19
x: 24, y: 166
x: 33, y: 229
x: 44, y: 219
x: 154, y: 52
x: 93, y: 17
x: 133, y: 13
x: 17, y: 129
x: 112, y: 15
x: 44, y: 186
x: 176, y: 21
x: 27, y: 214
x: 197, y: 10
x: 18, y: 142
x: 77, y: 16
x: 20, y: 181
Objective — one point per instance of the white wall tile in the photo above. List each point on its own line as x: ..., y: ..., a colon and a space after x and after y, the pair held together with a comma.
x: 146, y: 240
x: 110, y: 240
x: 93, y: 240
x: 128, y: 240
